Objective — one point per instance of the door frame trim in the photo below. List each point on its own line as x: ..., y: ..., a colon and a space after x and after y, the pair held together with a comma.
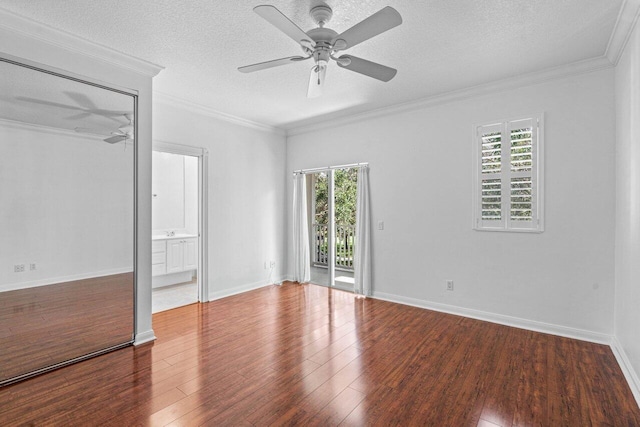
x: 203, y: 207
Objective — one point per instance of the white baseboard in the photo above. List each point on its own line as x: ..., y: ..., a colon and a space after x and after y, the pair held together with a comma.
x: 62, y: 279
x: 533, y: 325
x: 627, y: 369
x: 243, y: 288
x: 144, y: 337
x: 501, y: 319
x: 612, y: 341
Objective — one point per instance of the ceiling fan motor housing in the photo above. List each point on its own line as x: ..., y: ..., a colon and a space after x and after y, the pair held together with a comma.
x: 323, y: 48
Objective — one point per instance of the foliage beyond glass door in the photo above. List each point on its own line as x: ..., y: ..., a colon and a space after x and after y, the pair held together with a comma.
x: 339, y: 187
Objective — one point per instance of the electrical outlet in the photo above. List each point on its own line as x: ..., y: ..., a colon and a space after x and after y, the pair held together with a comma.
x: 449, y: 285
x: 18, y: 268
x: 32, y: 266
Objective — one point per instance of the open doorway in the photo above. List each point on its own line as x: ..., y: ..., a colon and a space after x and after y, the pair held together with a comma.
x: 332, y: 225
x: 178, y: 215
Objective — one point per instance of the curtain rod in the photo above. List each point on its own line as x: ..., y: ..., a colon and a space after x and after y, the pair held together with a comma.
x: 326, y: 168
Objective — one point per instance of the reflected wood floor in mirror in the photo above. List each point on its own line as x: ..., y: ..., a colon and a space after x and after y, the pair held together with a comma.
x: 46, y: 325
x: 310, y: 355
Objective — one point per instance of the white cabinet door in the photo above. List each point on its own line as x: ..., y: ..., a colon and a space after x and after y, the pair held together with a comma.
x: 190, y: 247
x: 175, y: 256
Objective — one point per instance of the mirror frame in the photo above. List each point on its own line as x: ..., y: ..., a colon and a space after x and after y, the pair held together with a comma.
x: 21, y: 62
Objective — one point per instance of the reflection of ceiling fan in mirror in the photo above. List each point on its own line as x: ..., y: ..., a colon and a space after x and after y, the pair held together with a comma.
x: 84, y: 105
x: 123, y: 133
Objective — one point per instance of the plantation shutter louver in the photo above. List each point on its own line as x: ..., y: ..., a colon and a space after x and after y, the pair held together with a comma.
x: 491, y: 171
x: 508, y: 181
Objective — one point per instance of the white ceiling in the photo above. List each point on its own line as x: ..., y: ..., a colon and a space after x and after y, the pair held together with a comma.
x: 442, y: 46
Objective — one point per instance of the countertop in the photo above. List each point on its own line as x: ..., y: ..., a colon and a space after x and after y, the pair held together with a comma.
x: 175, y: 236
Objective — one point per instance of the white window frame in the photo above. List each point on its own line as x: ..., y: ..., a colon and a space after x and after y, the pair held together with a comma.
x: 505, y: 223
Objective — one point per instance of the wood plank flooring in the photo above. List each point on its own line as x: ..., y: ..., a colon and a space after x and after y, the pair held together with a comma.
x: 46, y: 325
x: 308, y: 355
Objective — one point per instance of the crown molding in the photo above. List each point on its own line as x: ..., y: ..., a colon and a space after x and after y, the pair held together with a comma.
x: 193, y: 107
x: 626, y: 22
x: 52, y: 36
x: 573, y: 69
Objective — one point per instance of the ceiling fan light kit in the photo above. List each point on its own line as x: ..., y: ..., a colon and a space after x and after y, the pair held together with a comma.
x: 123, y: 133
x: 322, y: 44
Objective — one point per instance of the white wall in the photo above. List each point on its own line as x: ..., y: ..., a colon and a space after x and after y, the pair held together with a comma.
x: 67, y: 206
x: 246, y: 195
x: 421, y: 182
x: 627, y: 297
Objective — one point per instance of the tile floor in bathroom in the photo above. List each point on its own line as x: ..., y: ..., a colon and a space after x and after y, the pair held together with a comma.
x: 168, y: 297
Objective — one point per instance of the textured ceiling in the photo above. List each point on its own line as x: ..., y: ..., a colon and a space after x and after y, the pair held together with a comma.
x: 442, y: 45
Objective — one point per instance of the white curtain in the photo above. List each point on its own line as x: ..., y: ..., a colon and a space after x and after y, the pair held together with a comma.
x: 362, y: 254
x: 301, y: 258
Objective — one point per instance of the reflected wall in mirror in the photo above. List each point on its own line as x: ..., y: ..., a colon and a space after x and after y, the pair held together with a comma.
x: 67, y: 164
x: 174, y: 184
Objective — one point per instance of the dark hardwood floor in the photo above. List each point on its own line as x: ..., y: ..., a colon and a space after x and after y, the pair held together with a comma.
x: 307, y: 355
x: 46, y: 325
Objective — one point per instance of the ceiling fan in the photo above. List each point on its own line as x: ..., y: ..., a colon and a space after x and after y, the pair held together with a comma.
x: 123, y: 133
x: 84, y: 105
x: 323, y: 43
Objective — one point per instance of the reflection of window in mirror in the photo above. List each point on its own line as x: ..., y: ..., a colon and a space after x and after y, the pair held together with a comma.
x: 67, y: 218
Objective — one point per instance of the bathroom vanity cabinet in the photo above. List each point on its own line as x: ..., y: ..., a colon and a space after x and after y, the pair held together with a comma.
x: 182, y: 255
x: 174, y: 254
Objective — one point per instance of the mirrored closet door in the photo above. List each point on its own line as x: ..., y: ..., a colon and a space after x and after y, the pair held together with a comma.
x: 67, y: 211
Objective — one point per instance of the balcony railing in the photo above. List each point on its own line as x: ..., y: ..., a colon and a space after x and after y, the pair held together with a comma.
x: 345, y: 243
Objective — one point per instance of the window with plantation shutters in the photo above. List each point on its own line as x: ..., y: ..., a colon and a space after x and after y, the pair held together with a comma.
x: 508, y: 179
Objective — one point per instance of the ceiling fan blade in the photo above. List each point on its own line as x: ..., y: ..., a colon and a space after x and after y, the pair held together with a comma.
x: 284, y: 24
x: 93, y: 131
x: 116, y: 138
x: 270, y: 64
x: 79, y: 116
x: 316, y: 81
x: 381, y: 21
x: 368, y: 68
x: 49, y: 103
x: 110, y: 114
x: 81, y: 99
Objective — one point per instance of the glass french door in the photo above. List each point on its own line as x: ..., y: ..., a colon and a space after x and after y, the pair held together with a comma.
x: 318, y: 186
x: 344, y: 226
x: 332, y: 226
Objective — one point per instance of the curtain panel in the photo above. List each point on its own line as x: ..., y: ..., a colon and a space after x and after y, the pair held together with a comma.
x: 301, y: 257
x: 362, y: 253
